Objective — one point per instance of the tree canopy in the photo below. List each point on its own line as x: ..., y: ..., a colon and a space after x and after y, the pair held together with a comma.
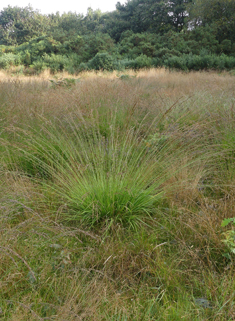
x: 155, y: 29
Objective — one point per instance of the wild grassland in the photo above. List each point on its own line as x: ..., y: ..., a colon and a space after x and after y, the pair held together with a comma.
x: 112, y: 195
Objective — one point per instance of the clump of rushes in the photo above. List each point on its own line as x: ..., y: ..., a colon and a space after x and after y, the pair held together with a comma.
x: 116, y: 178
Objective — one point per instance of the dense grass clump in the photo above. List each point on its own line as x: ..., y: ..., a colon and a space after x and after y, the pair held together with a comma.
x: 105, y: 172
x: 112, y: 195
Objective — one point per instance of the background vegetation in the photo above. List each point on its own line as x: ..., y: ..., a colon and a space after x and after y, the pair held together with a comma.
x: 179, y: 34
x: 117, y: 197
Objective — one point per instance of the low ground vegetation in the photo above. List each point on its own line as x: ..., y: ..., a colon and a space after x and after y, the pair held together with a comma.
x: 117, y: 196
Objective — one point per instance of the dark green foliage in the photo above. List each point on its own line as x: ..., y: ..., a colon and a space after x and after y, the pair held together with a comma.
x: 152, y: 15
x: 217, y: 13
x: 165, y: 53
x: 140, y: 62
x: 56, y: 62
x: 134, y: 44
x: 102, y: 61
x: 138, y: 34
x: 201, y: 62
x: 38, y: 47
x: 18, y: 25
x: 94, y: 43
x: 83, y: 67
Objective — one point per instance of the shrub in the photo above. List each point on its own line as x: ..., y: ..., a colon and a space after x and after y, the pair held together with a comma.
x: 165, y: 52
x: 83, y: 67
x: 127, y: 63
x: 157, y: 62
x: 200, y: 62
x: 176, y: 62
x: 56, y: 62
x: 26, y: 59
x: 140, y: 62
x: 9, y: 59
x: 102, y: 61
x: 39, y: 65
x: 119, y: 65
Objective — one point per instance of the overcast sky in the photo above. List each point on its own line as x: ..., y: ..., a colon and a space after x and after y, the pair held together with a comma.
x: 78, y: 6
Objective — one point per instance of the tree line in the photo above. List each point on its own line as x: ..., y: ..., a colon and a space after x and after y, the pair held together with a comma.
x: 181, y: 34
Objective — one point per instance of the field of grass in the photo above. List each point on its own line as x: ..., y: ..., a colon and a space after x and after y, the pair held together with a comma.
x: 113, y: 188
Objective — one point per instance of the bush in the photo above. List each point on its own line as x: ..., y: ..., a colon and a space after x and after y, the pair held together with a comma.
x: 56, y: 62
x: 119, y: 65
x: 83, y: 67
x: 140, y: 62
x: 39, y: 65
x: 9, y: 59
x: 200, y: 62
x: 127, y: 63
x: 165, y: 52
x: 157, y: 62
x: 176, y: 62
x: 102, y: 61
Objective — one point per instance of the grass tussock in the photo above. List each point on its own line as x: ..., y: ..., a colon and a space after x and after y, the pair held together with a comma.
x: 112, y: 192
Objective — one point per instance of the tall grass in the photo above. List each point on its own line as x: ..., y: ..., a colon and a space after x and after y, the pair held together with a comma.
x: 112, y: 194
x: 105, y: 170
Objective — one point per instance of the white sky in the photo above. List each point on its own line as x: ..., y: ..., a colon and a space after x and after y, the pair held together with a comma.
x: 52, y: 6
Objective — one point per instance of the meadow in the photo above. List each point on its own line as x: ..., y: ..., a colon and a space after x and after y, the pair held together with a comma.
x: 117, y: 196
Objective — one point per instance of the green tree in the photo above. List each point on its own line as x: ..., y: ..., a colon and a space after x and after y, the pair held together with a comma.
x: 134, y: 44
x: 178, y: 13
x: 157, y: 16
x: 19, y: 25
x: 97, y: 42
x: 113, y: 24
x: 71, y: 21
x: 217, y: 13
x: 92, y: 20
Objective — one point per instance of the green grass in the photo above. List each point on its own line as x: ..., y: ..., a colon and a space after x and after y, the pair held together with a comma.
x: 116, y: 178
